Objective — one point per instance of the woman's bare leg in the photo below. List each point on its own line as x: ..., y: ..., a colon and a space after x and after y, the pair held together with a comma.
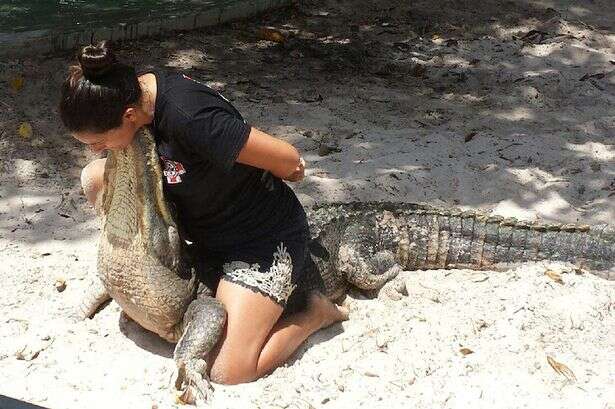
x: 92, y: 179
x: 254, y: 342
x: 289, y: 333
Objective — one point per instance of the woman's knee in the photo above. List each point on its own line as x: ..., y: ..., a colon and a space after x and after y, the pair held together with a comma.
x: 230, y: 371
x: 92, y: 179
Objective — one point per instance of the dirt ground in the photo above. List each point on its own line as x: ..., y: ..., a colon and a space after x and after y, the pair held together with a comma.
x: 505, y: 106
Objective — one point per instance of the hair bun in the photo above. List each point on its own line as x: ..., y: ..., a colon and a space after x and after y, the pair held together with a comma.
x: 96, y: 60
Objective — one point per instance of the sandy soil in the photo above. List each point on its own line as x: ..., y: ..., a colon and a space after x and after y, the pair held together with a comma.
x: 505, y: 106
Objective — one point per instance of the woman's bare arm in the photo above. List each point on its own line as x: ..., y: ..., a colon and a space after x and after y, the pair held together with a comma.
x: 267, y: 152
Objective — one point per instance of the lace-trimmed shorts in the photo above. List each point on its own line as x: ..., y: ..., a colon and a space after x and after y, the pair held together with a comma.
x: 274, y: 266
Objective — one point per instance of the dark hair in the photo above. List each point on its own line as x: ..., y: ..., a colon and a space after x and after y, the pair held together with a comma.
x: 97, y: 92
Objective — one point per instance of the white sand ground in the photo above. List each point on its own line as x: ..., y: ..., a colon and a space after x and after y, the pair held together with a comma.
x: 388, y: 92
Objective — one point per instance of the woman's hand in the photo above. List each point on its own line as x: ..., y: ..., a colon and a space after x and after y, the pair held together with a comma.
x: 299, y: 172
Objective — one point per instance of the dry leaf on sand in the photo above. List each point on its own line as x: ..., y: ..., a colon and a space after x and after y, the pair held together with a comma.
x: 561, y: 369
x: 555, y: 276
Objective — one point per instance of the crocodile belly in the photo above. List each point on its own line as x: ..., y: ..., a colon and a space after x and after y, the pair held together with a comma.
x: 147, y: 291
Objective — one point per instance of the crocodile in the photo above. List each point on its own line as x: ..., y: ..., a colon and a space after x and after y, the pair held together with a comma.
x: 141, y: 264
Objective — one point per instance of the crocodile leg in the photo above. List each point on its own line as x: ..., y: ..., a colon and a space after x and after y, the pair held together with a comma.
x: 363, y: 263
x: 371, y: 275
x: 96, y: 295
x: 395, y: 289
x: 203, y: 324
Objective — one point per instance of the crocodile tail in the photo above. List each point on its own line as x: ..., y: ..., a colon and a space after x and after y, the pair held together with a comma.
x: 456, y: 239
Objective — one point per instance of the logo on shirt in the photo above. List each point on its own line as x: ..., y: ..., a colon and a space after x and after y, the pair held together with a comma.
x: 173, y: 170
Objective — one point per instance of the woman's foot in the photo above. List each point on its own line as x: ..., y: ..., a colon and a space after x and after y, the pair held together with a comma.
x: 328, y: 311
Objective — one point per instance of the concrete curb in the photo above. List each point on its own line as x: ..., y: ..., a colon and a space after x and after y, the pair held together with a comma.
x: 45, y: 41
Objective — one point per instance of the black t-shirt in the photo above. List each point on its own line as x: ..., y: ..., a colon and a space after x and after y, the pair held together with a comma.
x: 220, y: 203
